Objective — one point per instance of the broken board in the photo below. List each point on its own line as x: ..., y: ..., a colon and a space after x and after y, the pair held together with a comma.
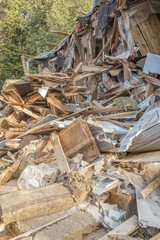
x: 78, y: 138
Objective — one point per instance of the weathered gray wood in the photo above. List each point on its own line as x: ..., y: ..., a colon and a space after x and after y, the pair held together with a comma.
x: 126, y: 228
x: 60, y: 156
x: 150, y: 188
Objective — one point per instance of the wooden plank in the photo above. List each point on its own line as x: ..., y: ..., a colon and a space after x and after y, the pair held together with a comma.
x: 105, y: 110
x: 147, y: 157
x: 126, y: 125
x: 111, y: 98
x: 7, y: 173
x: 150, y: 31
x: 75, y: 73
x: 60, y: 156
x: 122, y: 114
x: 126, y: 228
x: 149, y: 90
x: 44, y: 126
x: 78, y: 138
x: 82, y: 76
x: 58, y: 104
x: 27, y: 111
x: 156, y: 237
x: 49, y: 77
x: 150, y: 188
x: 151, y: 79
x: 139, y: 40
x: 126, y: 72
x: 52, y: 44
x: 60, y: 33
x: 24, y: 65
x: 120, y: 237
x: 102, y: 50
x: 97, y: 104
x: 92, y: 68
x: 15, y: 95
x: 2, y: 227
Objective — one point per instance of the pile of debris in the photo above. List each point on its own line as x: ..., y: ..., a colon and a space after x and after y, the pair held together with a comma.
x: 80, y: 140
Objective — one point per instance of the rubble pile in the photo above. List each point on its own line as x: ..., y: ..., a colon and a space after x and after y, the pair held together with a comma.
x: 80, y: 139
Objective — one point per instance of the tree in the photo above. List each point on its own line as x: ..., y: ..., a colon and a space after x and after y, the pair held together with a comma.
x: 63, y: 13
x: 25, y: 25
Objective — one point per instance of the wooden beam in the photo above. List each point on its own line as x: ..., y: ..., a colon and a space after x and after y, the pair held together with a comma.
x: 97, y: 104
x: 102, y: 50
x: 60, y: 156
x: 120, y: 237
x: 150, y: 188
x: 75, y: 73
x: 106, y: 110
x: 126, y: 228
x: 27, y: 111
x: 148, y: 157
x: 52, y: 44
x: 2, y: 227
x: 58, y: 104
x: 60, y: 33
x: 156, y: 237
x: 151, y: 79
x: 24, y: 65
x: 122, y: 114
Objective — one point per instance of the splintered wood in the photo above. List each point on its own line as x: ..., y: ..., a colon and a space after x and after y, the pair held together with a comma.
x: 7, y: 174
x: 78, y: 138
x: 60, y: 156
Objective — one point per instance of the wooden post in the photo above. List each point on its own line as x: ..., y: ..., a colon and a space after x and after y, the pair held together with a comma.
x: 60, y: 156
x: 24, y: 64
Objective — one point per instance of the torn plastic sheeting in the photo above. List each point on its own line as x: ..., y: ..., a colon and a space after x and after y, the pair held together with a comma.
x: 103, y: 143
x: 109, y: 127
x: 35, y: 176
x: 124, y: 29
x: 145, y: 135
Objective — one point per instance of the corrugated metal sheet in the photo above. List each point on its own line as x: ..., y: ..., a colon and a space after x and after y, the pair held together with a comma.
x: 145, y: 136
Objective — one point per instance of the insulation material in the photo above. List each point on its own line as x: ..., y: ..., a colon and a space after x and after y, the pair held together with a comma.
x: 145, y: 136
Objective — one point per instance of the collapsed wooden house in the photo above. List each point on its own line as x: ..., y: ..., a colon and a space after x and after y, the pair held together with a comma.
x: 112, y: 32
x: 80, y: 119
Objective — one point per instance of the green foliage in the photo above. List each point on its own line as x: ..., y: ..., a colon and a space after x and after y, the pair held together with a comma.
x: 25, y: 25
x: 64, y: 13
